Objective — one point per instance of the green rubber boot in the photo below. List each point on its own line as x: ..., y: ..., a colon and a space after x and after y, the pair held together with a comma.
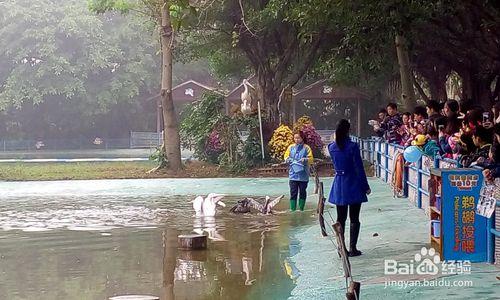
x: 293, y: 204
x: 302, y: 204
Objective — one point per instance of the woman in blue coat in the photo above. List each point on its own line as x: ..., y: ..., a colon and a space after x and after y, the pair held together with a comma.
x: 350, y: 186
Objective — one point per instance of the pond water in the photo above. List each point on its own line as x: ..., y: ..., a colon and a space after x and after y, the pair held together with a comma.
x: 97, y: 239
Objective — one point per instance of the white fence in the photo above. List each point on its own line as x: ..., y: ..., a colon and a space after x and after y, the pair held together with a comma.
x: 145, y: 139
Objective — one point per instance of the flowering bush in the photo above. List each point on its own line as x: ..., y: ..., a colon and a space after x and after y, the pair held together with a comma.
x: 251, y: 149
x: 281, y: 139
x: 199, y: 121
x: 214, y: 143
x: 313, y: 139
x: 301, y: 122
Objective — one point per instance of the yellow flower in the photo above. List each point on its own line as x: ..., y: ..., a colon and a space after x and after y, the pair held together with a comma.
x: 301, y: 122
x: 281, y: 139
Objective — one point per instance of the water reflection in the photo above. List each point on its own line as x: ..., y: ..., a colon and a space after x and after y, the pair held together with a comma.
x: 202, y: 274
x: 208, y: 226
x: 104, y: 246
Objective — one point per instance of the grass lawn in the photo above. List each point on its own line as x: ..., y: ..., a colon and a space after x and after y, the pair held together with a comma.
x: 66, y: 171
x: 125, y: 170
x: 106, y: 170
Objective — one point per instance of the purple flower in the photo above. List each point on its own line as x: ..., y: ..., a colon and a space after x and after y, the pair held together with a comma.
x: 313, y: 139
x: 214, y: 143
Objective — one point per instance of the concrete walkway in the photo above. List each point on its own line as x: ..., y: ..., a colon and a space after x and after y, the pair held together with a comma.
x: 391, y: 229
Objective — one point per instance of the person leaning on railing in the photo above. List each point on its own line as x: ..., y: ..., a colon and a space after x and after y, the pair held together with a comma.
x: 451, y: 111
x: 482, y: 139
x: 433, y: 108
x: 455, y: 138
x: 492, y: 167
x: 389, y: 128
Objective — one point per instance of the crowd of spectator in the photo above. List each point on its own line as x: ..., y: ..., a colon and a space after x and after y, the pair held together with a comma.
x: 466, y: 133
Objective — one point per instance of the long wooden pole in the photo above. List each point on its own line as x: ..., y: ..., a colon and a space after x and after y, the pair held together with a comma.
x: 321, y: 208
x: 261, y: 134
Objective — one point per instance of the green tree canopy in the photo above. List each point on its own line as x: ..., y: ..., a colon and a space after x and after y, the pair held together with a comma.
x: 58, y: 49
x: 266, y: 38
x: 66, y: 72
x: 443, y: 36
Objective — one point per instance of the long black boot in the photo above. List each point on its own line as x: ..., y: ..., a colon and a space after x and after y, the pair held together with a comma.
x: 353, y: 239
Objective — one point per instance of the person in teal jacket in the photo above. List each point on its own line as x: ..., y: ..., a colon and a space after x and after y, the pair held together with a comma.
x: 299, y: 156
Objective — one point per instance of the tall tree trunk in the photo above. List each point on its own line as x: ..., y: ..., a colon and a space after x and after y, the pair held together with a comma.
x: 408, y: 95
x: 420, y: 90
x: 268, y: 93
x: 481, y: 91
x: 475, y: 88
x: 436, y: 76
x: 285, y: 105
x: 435, y: 73
x: 171, y: 139
x: 437, y: 88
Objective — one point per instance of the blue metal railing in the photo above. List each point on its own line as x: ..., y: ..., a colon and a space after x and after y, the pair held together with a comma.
x: 382, y: 155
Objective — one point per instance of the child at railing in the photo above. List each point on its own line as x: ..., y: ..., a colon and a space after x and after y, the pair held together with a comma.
x: 405, y: 130
x: 428, y: 146
x: 482, y: 139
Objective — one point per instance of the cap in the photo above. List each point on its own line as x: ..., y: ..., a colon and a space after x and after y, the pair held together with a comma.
x: 419, y: 140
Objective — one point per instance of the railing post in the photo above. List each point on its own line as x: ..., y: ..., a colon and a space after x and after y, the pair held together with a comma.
x: 419, y: 183
x: 362, y: 148
x: 379, y: 159
x: 490, y: 239
x: 370, y: 145
x: 386, y: 154
x: 406, y: 172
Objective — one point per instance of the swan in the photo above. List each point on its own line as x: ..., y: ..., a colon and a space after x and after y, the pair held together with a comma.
x: 206, y: 207
x: 198, y: 206
x: 246, y: 98
x: 210, y: 204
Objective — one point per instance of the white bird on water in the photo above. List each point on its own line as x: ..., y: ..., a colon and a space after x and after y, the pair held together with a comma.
x: 246, y: 98
x: 198, y: 206
x: 207, y: 207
